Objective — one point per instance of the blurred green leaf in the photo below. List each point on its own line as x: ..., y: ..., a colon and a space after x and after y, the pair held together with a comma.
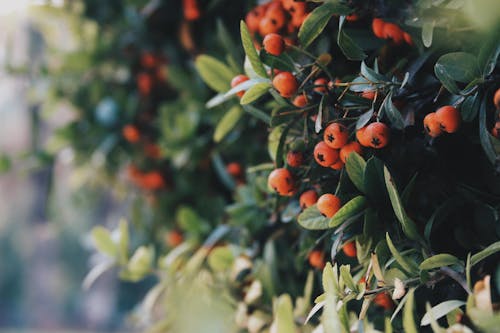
x: 408, y: 317
x: 250, y: 50
x: 216, y: 74
x: 221, y: 259
x: 228, y: 122
x: 103, y: 241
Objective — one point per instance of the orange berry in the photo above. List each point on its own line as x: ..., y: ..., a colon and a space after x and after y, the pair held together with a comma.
x: 352, y: 18
x: 294, y: 158
x: 274, y: 44
x: 384, y: 300
x: 131, y: 133
x: 328, y: 204
x: 254, y: 16
x: 496, y: 99
x: 348, y: 149
x: 337, y: 165
x: 281, y: 180
x: 321, y: 85
x: 174, y: 238
x: 336, y: 135
x: 148, y: 60
x: 300, y: 101
x: 152, y: 150
x: 449, y: 118
x: 363, y: 139
x: 286, y: 84
x: 234, y: 169
x: 237, y: 80
x: 350, y: 249
x: 368, y: 94
x: 394, y: 32
x: 495, y: 131
x: 378, y: 135
x: 273, y: 20
x: 152, y: 180
x: 431, y: 125
x: 298, y: 19
x: 144, y: 83
x: 407, y: 38
x: 324, y: 155
x: 317, y: 259
x: 191, y: 10
x: 378, y: 27
x: 308, y: 198
x: 293, y: 7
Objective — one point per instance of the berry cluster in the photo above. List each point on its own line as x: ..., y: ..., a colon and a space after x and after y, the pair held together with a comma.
x: 391, y: 31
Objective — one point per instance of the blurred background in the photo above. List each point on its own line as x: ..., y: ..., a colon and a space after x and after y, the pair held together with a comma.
x: 45, y: 212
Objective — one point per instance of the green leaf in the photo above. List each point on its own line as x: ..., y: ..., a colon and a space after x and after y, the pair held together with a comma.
x: 427, y: 32
x: 355, y: 167
x: 221, y: 259
x: 345, y: 273
x: 348, y: 47
x: 273, y: 141
x: 216, y: 74
x: 393, y: 113
x: 374, y: 180
x: 459, y: 66
x: 103, y: 241
x: 348, y: 210
x: 484, y: 135
x: 284, y: 319
x: 470, y: 107
x: 445, y: 79
x: 281, y: 62
x: 330, y: 319
x: 439, y: 260
x: 364, y: 119
x: 139, y: 264
x: 250, y: 50
x: 408, y: 319
x: 257, y: 113
x: 317, y: 21
x: 492, y: 249
x: 489, y: 52
x: 312, y: 219
x: 228, y: 122
x: 371, y: 75
x: 256, y: 91
x: 440, y: 310
x: 408, y: 266
x: 5, y: 163
x: 281, y: 145
x: 409, y: 228
x: 123, y: 241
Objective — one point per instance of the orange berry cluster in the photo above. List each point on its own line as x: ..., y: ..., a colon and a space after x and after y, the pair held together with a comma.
x: 152, y: 180
x: 445, y: 119
x: 495, y: 131
x: 282, y: 17
x: 388, y: 30
x: 191, y: 10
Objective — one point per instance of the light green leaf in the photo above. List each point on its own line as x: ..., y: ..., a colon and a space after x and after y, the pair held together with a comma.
x: 123, y: 242
x: 330, y: 319
x: 317, y: 21
x: 256, y: 91
x: 221, y: 259
x: 371, y: 75
x: 227, y: 123
x: 312, y: 219
x: 440, y: 310
x: 103, y: 241
x: 492, y: 249
x: 439, y: 260
x: 250, y: 50
x: 216, y: 74
x: 355, y: 167
x: 409, y: 228
x: 408, y: 319
x: 348, y: 210
x: 284, y: 315
x: 345, y: 273
x: 427, y: 32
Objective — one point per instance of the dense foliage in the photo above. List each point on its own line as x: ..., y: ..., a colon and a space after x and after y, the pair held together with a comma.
x: 351, y: 143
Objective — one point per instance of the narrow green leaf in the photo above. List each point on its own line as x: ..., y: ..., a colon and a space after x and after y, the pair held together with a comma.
x: 371, y: 75
x: 489, y: 52
x: 216, y: 74
x: 250, y: 50
x: 364, y: 119
x: 484, y: 135
x: 355, y: 167
x: 470, y: 107
x: 256, y: 91
x: 317, y: 21
x: 408, y: 318
x: 348, y: 47
x: 279, y: 62
x: 387, y: 325
x: 409, y: 228
x: 123, y: 242
x: 103, y: 241
x: 312, y: 219
x: 257, y: 113
x: 492, y: 249
x: 228, y: 122
x: 439, y: 260
x: 393, y: 113
x: 408, y: 266
x: 440, y: 310
x: 427, y: 33
x: 330, y: 319
x: 345, y: 273
x: 348, y: 210
x: 284, y: 315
